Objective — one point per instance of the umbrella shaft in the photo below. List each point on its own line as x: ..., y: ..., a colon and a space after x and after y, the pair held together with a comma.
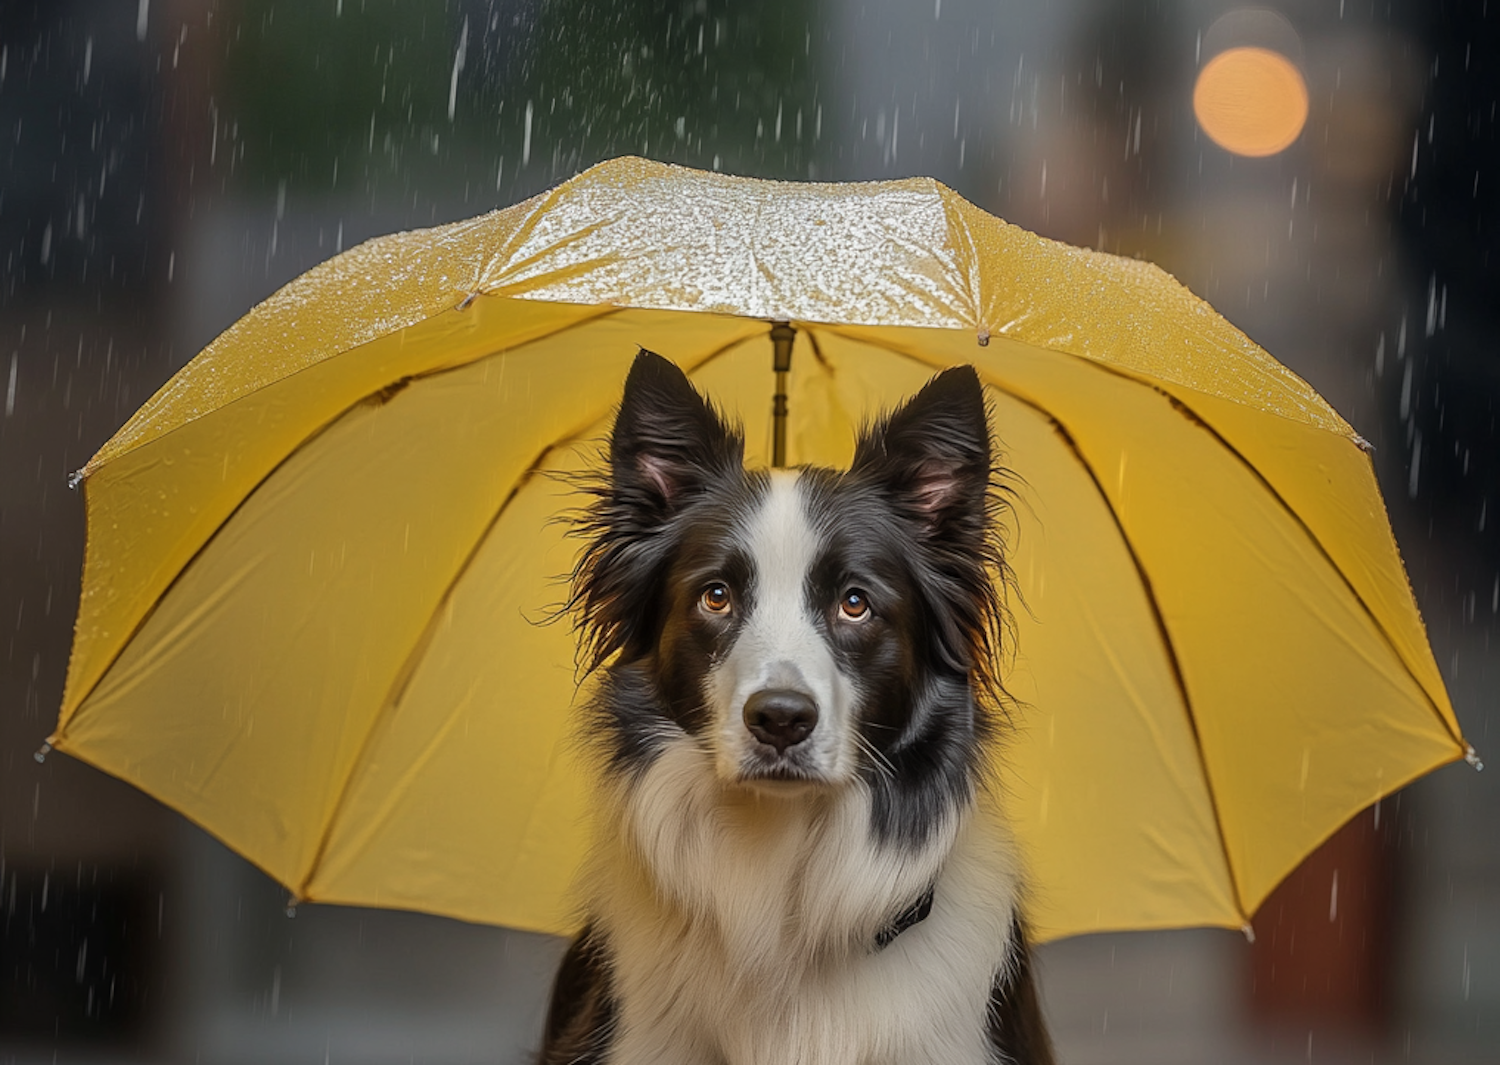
x: 778, y: 422
x: 782, y: 335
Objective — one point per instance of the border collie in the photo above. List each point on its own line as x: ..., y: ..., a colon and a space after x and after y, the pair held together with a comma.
x: 797, y: 862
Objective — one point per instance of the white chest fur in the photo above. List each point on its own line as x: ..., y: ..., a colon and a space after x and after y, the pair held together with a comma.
x: 742, y: 926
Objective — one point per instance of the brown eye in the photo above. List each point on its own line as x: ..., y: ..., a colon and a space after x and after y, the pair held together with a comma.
x: 855, y: 605
x: 715, y: 599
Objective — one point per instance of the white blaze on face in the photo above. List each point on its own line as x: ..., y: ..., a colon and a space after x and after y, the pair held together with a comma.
x: 781, y: 643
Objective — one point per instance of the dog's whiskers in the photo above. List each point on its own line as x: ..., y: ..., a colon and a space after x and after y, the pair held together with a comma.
x: 882, y: 763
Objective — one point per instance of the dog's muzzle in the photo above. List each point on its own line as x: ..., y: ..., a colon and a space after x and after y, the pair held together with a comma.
x: 780, y: 717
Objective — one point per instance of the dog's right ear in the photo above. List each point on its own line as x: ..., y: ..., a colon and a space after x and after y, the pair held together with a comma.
x: 667, y: 441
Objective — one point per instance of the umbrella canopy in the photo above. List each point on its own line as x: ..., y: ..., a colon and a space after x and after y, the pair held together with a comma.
x: 322, y: 560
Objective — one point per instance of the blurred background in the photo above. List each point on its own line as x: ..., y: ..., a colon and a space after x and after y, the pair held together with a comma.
x: 164, y: 164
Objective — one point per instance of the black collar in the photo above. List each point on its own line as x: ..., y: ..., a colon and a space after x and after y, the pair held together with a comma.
x: 914, y: 914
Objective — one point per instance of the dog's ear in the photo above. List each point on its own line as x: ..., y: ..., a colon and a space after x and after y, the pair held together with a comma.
x: 667, y: 440
x: 933, y: 457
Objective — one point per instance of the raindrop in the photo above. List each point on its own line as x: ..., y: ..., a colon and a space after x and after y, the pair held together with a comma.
x: 88, y: 58
x: 458, y: 66
x: 140, y: 19
x: 10, y: 388
x: 1416, y: 466
x: 526, y: 137
x: 46, y: 243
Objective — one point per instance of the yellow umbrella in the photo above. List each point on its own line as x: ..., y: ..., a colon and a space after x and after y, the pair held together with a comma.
x: 321, y: 559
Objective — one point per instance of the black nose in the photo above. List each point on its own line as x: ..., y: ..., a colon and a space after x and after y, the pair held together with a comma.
x: 780, y: 717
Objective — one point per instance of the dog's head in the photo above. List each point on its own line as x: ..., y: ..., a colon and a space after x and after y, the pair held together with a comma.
x: 808, y: 627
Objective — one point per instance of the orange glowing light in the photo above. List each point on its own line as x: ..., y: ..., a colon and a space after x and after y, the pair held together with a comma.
x: 1251, y: 101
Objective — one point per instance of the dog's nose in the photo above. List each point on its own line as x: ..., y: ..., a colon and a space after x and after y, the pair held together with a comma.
x: 780, y: 717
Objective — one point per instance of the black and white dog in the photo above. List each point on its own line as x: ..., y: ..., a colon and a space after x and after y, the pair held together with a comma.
x: 795, y: 865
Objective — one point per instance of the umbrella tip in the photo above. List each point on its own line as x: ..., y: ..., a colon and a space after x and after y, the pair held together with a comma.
x: 1363, y: 444
x: 46, y: 748
x: 76, y: 477
x: 292, y: 902
x: 1249, y: 932
x: 983, y: 337
x: 468, y: 299
x: 1472, y: 757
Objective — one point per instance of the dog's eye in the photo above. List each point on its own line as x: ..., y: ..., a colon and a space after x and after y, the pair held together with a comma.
x: 855, y: 605
x: 715, y: 599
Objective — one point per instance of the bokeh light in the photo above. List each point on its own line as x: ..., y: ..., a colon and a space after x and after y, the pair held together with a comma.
x: 1251, y: 101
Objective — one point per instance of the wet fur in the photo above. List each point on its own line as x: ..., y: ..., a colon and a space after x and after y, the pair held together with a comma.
x: 735, y: 892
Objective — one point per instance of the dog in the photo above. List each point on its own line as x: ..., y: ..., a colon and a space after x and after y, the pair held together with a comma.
x: 797, y: 861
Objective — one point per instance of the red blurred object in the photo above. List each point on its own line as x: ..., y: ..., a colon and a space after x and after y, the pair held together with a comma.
x: 1323, y: 940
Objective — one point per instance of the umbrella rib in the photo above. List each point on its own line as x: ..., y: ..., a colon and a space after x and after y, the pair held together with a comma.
x: 381, y: 395
x: 1156, y: 612
x: 1197, y: 419
x: 1161, y: 629
x: 413, y: 660
x: 414, y: 657
x: 1201, y: 422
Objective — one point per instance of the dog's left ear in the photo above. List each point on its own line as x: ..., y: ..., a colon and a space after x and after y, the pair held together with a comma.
x: 933, y: 457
